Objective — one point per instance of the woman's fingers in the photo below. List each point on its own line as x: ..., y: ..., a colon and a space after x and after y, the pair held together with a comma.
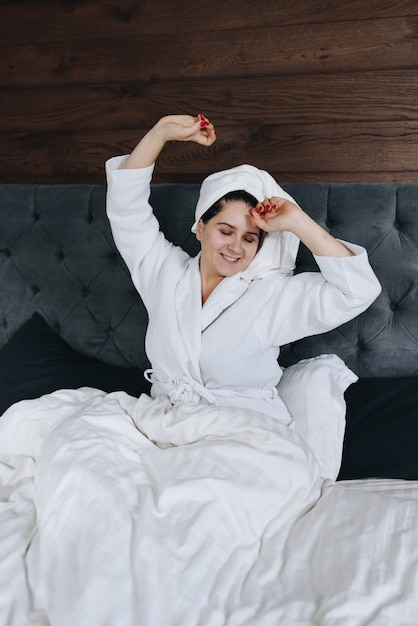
x: 264, y: 207
x: 207, y: 130
x: 188, y: 128
x: 268, y: 205
x: 203, y: 121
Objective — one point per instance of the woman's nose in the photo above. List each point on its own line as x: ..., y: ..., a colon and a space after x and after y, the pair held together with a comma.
x: 235, y: 244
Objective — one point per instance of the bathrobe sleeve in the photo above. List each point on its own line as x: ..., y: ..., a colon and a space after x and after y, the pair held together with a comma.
x: 134, y: 227
x: 315, y: 302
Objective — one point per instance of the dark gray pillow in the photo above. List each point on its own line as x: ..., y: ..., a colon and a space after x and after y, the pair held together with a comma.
x: 381, y: 436
x: 37, y: 361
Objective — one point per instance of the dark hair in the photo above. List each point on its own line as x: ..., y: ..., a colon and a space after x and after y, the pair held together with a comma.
x: 233, y: 196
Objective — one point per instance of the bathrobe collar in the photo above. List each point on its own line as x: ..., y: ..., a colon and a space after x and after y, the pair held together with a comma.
x: 192, y: 318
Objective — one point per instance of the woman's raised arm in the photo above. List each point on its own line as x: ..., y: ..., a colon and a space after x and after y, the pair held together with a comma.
x: 170, y: 128
x: 277, y: 214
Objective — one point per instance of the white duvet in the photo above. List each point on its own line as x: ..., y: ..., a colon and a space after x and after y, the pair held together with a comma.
x: 123, y: 512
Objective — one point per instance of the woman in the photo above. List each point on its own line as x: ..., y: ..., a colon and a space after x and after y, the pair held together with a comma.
x: 159, y: 510
x: 217, y: 321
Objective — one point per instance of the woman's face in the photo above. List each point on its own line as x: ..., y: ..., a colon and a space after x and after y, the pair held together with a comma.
x: 228, y: 241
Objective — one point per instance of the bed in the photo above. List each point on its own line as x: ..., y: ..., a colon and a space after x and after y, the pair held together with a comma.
x: 109, y: 516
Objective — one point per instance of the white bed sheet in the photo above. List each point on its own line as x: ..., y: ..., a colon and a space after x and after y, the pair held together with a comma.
x: 403, y: 489
x: 118, y: 512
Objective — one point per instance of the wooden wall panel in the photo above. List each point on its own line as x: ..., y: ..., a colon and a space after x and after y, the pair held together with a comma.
x: 308, y: 90
x: 272, y: 51
x: 80, y: 20
x: 288, y: 152
x: 363, y: 96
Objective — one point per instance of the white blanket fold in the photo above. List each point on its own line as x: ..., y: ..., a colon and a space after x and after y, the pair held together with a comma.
x: 148, y: 514
x: 123, y: 512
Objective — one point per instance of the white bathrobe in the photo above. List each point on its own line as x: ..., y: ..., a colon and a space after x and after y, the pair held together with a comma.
x: 224, y: 352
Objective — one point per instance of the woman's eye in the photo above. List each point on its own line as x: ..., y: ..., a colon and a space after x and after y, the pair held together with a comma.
x: 249, y: 240
x: 224, y: 232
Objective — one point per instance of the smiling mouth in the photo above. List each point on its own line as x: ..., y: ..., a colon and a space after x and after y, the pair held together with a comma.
x: 230, y: 259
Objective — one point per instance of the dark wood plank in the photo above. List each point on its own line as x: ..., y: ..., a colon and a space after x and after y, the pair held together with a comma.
x: 385, y: 151
x: 363, y: 96
x: 333, y: 48
x: 43, y: 21
x: 296, y: 149
x: 308, y: 90
x: 301, y: 177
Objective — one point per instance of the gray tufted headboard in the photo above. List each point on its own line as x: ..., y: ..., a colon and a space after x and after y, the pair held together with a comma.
x: 57, y: 256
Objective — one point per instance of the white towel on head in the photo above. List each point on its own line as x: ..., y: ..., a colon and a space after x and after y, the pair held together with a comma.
x: 279, y: 250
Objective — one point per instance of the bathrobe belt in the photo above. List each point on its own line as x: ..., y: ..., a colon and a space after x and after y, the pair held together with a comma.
x: 186, y: 389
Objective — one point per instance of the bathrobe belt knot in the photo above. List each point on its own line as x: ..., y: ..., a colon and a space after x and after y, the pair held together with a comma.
x: 186, y: 389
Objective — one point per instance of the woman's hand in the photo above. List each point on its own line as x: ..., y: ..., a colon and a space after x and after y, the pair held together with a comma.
x: 277, y: 214
x: 186, y: 128
x: 170, y: 128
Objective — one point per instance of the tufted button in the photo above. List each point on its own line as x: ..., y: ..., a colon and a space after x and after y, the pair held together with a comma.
x: 85, y: 292
x: 36, y: 216
x: 60, y: 255
x: 397, y: 225
x: 393, y: 306
x: 7, y: 252
x: 89, y: 218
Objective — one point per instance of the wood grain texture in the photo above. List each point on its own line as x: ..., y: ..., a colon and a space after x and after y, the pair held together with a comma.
x: 323, y: 152
x: 266, y: 52
x: 364, y: 96
x: 308, y: 90
x: 43, y: 21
